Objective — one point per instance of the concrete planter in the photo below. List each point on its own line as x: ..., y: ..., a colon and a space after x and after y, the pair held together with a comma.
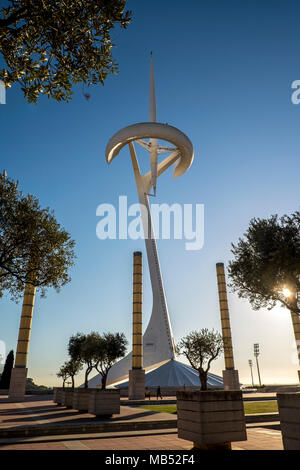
x: 58, y: 395
x: 104, y: 402
x: 212, y: 420
x: 67, y: 397
x: 289, y: 415
x: 81, y: 398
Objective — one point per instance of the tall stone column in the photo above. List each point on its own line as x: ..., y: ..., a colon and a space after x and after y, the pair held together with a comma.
x: 230, y: 375
x: 136, y: 390
x: 19, y: 372
x: 296, y: 325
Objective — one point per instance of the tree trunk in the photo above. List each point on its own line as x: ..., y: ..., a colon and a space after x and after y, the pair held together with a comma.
x: 73, y: 382
x: 203, y: 379
x: 103, y: 381
x: 86, y: 385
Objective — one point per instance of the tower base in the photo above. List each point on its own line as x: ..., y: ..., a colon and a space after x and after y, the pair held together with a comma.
x: 136, y: 389
x: 17, y: 385
x: 231, y: 379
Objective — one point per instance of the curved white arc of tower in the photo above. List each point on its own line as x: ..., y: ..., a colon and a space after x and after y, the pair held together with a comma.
x: 146, y: 130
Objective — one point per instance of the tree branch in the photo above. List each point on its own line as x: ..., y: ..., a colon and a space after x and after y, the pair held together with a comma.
x: 13, y: 18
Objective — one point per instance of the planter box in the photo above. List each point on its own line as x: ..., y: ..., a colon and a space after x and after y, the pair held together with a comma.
x: 81, y: 398
x: 57, y: 395
x: 104, y: 402
x: 212, y: 420
x: 289, y: 415
x: 67, y: 397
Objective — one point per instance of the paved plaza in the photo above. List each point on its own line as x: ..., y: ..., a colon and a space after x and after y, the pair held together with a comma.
x: 39, y: 411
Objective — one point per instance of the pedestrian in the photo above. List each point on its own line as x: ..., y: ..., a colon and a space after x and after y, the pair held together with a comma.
x: 158, y: 393
x: 147, y: 393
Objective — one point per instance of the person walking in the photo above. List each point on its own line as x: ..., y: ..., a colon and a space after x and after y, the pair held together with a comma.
x: 158, y: 393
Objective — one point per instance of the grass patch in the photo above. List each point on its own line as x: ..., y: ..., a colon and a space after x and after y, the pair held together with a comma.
x: 252, y: 407
x: 249, y: 407
x: 172, y: 409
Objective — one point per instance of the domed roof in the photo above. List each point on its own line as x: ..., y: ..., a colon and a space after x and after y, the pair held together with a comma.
x: 173, y: 374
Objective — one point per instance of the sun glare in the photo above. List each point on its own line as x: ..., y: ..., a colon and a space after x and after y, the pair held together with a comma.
x: 286, y: 292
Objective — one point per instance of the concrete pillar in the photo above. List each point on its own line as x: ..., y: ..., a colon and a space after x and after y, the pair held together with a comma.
x: 230, y: 375
x: 296, y: 326
x: 19, y: 373
x: 136, y: 389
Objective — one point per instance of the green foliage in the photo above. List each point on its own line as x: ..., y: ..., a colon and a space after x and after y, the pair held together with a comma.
x: 31, y: 387
x: 63, y: 373
x: 48, y: 45
x: 266, y: 260
x: 69, y: 370
x: 75, y: 346
x: 111, y: 348
x: 72, y: 368
x: 8, y: 366
x: 83, y: 348
x: 34, y: 248
x: 97, y: 352
x: 201, y: 348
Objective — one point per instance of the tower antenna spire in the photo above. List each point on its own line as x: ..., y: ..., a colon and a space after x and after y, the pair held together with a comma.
x: 152, y: 92
x: 153, y: 142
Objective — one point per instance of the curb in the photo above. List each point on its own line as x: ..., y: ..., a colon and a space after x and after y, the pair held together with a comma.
x: 50, y: 430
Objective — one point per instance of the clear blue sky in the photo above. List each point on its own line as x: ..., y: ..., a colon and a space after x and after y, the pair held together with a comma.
x: 223, y: 76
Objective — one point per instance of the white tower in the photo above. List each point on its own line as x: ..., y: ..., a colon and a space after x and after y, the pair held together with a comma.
x: 158, y: 341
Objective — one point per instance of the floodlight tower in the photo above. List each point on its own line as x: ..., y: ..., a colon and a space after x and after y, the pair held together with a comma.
x: 256, y: 354
x: 158, y: 341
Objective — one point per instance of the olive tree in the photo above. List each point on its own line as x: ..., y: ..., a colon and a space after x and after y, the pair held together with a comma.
x: 201, y: 348
x: 34, y: 248
x: 72, y: 368
x: 82, y: 347
x: 63, y: 374
x: 49, y: 45
x: 111, y: 348
x: 97, y: 352
x: 266, y: 264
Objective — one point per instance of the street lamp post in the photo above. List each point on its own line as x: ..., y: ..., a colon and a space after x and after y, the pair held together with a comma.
x: 251, y: 365
x: 256, y: 354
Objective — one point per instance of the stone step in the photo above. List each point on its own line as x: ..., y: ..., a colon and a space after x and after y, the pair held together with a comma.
x: 111, y: 427
x: 100, y: 427
x: 173, y: 401
x: 74, y: 437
